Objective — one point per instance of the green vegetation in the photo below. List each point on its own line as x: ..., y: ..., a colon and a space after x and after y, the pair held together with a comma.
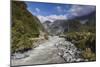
x: 84, y: 37
x: 84, y: 41
x: 88, y: 54
x: 24, y: 26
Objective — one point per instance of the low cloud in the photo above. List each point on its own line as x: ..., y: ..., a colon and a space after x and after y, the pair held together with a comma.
x: 51, y: 18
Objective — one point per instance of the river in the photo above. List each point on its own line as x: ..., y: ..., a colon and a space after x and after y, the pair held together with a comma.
x: 53, y: 50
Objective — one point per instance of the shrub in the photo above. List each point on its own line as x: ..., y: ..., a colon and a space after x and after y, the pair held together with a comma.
x: 84, y: 41
x: 88, y: 54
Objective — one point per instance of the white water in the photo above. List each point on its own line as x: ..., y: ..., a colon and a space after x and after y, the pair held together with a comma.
x: 54, y: 50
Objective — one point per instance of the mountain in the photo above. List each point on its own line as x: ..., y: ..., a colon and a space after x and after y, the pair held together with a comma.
x: 23, y: 26
x: 81, y: 23
x: 47, y: 25
x: 60, y: 26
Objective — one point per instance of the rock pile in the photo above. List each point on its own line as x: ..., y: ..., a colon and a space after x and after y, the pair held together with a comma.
x: 68, y: 51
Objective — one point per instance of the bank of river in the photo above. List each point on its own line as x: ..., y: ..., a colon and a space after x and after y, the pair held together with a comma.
x: 54, y: 50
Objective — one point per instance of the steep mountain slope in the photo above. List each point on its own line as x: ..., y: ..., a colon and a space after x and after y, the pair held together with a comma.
x: 81, y: 23
x: 24, y: 26
x: 60, y: 26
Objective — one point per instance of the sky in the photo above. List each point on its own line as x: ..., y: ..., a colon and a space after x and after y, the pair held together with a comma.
x: 54, y: 11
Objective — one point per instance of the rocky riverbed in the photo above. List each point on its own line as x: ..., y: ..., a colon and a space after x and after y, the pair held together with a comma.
x: 54, y: 50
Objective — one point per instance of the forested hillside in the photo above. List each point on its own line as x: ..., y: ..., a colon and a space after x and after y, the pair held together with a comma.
x: 24, y: 26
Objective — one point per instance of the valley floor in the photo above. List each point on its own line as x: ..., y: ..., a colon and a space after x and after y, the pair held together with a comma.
x: 54, y: 50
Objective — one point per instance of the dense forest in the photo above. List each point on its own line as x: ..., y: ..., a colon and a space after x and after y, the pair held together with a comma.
x: 24, y: 26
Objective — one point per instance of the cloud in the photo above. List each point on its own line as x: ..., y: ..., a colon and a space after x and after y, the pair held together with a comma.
x: 37, y: 10
x: 79, y: 10
x: 55, y: 17
x: 74, y: 11
x: 51, y: 18
x: 43, y: 18
x: 59, y: 9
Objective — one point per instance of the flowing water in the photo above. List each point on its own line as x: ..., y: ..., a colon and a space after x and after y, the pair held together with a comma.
x: 53, y: 50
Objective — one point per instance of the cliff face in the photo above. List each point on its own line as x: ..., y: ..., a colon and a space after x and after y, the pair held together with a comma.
x: 24, y: 26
